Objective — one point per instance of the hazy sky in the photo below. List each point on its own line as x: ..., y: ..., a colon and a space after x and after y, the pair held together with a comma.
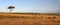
x: 39, y: 6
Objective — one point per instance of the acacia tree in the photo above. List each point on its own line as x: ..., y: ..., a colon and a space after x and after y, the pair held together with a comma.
x: 11, y: 8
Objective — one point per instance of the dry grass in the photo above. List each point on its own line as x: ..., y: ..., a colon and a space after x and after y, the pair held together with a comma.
x: 29, y: 19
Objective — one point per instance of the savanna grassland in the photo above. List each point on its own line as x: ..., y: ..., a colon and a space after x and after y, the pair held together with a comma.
x: 29, y: 19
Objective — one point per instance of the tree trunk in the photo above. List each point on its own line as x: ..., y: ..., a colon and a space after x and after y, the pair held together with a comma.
x: 10, y: 10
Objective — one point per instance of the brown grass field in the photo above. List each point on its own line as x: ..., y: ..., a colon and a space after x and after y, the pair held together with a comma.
x: 29, y: 19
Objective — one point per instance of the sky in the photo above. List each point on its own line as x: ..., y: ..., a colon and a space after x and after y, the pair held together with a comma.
x: 34, y: 6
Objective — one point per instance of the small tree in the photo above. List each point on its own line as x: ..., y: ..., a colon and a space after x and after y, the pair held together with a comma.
x: 11, y: 8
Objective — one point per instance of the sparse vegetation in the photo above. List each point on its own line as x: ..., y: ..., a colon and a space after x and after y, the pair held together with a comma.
x: 28, y: 19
